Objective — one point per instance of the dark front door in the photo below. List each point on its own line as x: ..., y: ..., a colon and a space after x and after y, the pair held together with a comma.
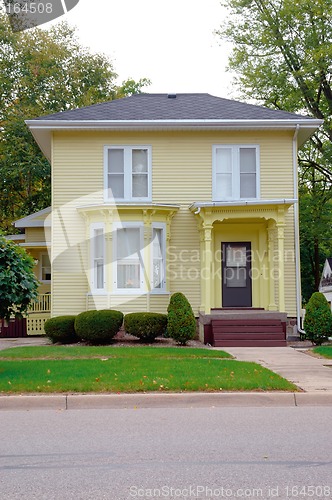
x: 236, y: 275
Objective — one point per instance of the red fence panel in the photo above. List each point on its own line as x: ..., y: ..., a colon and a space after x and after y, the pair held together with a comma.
x: 16, y: 328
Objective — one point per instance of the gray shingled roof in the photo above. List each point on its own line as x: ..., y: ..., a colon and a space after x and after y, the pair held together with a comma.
x: 162, y: 107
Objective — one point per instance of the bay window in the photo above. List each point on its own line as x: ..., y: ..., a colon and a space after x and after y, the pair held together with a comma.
x: 158, y: 279
x: 128, y: 264
x: 98, y: 256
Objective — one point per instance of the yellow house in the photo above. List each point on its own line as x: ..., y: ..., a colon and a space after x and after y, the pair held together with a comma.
x: 155, y: 193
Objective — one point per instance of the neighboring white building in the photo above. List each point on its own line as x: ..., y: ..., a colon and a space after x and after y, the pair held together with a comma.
x: 325, y: 286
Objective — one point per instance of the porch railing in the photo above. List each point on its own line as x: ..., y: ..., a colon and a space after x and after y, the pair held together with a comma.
x: 43, y: 304
x: 39, y: 312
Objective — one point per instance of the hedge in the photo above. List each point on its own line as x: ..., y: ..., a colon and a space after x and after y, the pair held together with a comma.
x: 318, y: 319
x: 145, y: 325
x: 98, y: 327
x: 181, y: 323
x: 61, y: 329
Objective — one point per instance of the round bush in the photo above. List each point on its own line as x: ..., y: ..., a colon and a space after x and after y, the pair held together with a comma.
x: 145, y: 325
x: 181, y: 322
x: 98, y: 327
x: 318, y: 319
x: 61, y: 329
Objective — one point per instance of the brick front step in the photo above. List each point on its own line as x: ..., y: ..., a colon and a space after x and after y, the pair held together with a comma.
x: 251, y: 336
x: 248, y: 332
x: 250, y: 343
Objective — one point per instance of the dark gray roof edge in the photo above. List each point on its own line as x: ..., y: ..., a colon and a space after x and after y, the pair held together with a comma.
x: 76, y: 114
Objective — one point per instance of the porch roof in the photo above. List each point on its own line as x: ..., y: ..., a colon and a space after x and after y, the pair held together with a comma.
x: 210, y: 212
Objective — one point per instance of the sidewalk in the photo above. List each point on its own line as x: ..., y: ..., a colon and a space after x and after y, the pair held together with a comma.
x: 307, y: 372
x: 312, y: 375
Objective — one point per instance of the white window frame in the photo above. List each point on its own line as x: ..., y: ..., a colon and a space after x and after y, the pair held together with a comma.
x: 41, y: 267
x: 162, y: 226
x: 129, y: 291
x: 128, y: 173
x: 235, y: 171
x: 93, y: 227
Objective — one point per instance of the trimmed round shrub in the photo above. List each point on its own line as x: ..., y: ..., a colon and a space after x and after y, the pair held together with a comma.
x: 98, y: 327
x: 61, y: 329
x: 181, y: 322
x: 318, y: 319
x: 146, y: 326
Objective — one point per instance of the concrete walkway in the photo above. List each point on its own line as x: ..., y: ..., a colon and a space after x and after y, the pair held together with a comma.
x: 307, y: 372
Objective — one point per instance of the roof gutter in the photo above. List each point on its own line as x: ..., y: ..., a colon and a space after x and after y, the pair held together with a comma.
x: 79, y: 124
x: 297, y: 234
x: 42, y: 129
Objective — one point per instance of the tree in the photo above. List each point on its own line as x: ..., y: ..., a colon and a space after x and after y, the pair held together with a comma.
x: 181, y: 322
x: 318, y: 319
x: 282, y: 56
x: 315, y: 228
x: 18, y: 284
x: 43, y: 72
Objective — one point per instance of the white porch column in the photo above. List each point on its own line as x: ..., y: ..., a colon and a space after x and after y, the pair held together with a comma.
x: 206, y: 265
x: 270, y: 243
x: 281, y: 260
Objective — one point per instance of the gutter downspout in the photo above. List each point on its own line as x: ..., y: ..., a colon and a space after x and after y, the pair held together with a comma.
x: 297, y: 233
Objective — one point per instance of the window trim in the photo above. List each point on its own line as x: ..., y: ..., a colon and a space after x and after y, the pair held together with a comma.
x: 162, y: 226
x: 128, y: 198
x: 235, y: 171
x: 127, y: 291
x: 41, y: 268
x: 93, y: 227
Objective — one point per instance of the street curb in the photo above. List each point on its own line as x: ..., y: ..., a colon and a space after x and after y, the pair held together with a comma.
x: 63, y: 402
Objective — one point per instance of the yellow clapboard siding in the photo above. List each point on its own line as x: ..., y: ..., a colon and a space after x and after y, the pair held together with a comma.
x: 35, y: 234
x: 182, y: 174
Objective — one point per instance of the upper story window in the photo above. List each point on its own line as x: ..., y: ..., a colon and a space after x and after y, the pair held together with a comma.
x: 235, y: 172
x: 128, y: 173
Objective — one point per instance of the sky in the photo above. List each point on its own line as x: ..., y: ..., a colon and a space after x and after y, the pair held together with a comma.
x: 172, y: 43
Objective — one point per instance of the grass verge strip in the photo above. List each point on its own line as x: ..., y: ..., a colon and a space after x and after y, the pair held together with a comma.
x: 123, y: 374
x: 324, y: 350
x: 86, y: 352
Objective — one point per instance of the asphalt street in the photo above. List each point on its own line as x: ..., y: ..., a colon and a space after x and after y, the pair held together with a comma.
x: 209, y: 452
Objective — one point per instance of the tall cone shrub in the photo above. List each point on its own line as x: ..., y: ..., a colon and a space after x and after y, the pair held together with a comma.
x: 318, y: 319
x: 181, y: 322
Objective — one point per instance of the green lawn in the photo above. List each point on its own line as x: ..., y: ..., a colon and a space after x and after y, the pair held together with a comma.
x: 130, y: 369
x: 324, y: 350
x: 88, y: 352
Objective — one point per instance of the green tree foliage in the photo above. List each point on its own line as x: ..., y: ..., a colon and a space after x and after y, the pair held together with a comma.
x: 18, y: 284
x: 181, y: 322
x: 43, y: 72
x: 318, y: 319
x: 282, y: 57
x: 315, y: 229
